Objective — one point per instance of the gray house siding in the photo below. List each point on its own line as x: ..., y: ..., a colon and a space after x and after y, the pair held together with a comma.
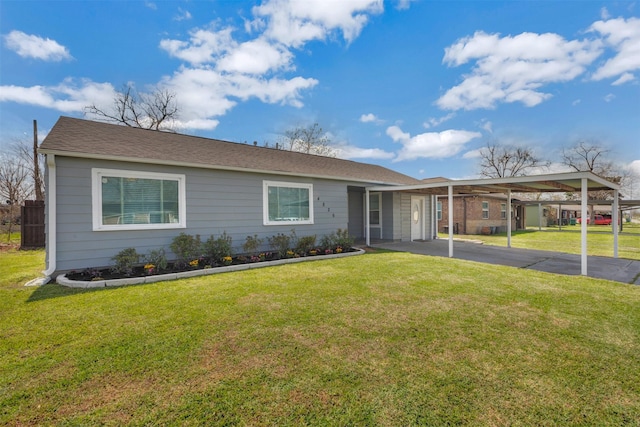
x: 356, y: 212
x: 216, y: 202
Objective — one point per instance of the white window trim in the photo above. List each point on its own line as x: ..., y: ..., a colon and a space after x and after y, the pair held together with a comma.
x: 485, y: 210
x: 265, y: 202
x: 503, y: 211
x: 96, y: 194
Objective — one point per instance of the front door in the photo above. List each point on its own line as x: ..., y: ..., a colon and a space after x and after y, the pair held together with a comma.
x: 417, y: 217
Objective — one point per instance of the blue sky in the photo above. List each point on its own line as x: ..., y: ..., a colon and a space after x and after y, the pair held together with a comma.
x: 416, y: 86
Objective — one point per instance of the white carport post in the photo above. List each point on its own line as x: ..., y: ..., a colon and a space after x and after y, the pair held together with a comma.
x: 614, y: 222
x: 450, y: 219
x: 539, y: 216
x: 583, y: 228
x: 367, y: 228
x: 434, y: 217
x: 508, y: 218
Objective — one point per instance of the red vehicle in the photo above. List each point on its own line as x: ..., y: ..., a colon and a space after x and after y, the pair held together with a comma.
x: 598, y: 220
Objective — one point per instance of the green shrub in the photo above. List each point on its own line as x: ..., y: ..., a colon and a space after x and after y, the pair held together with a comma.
x: 125, y: 261
x: 252, y: 244
x: 305, y: 244
x: 158, y: 258
x: 339, y: 238
x: 280, y: 243
x: 218, y: 248
x: 186, y: 247
x: 344, y: 240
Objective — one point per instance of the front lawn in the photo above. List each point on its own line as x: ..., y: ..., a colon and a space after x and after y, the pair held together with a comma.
x: 379, y: 339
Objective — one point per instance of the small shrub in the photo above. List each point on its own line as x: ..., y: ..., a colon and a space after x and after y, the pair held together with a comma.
x: 218, y: 248
x: 158, y: 259
x: 305, y: 244
x: 339, y: 239
x: 328, y: 241
x: 125, y: 261
x: 252, y: 244
x: 280, y: 243
x: 344, y: 240
x: 186, y: 247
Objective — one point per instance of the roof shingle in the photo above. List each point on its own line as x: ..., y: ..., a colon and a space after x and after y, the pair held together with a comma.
x: 85, y: 138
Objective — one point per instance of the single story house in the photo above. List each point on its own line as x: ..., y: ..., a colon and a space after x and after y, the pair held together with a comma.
x: 111, y: 187
x: 478, y: 214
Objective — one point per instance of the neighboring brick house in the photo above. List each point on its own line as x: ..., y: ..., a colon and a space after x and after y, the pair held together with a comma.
x: 478, y: 214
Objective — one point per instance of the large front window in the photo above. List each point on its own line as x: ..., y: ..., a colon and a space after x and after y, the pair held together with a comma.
x: 129, y: 200
x: 287, y: 203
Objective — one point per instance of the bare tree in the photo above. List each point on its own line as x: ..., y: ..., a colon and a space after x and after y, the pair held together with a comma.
x: 310, y: 140
x: 157, y: 110
x: 15, y: 188
x: 500, y: 161
x: 592, y: 157
x: 585, y: 156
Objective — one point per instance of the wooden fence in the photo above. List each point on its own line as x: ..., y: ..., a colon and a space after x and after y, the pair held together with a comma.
x: 32, y: 224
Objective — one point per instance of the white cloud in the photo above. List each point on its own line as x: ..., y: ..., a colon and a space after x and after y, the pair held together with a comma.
x: 69, y: 96
x: 404, y: 4
x: 204, y: 46
x: 609, y: 97
x: 513, y: 68
x: 256, y: 57
x: 626, y: 77
x: 624, y: 37
x: 183, y: 15
x: 472, y: 154
x: 369, y: 118
x: 352, y: 152
x: 431, y: 145
x: 433, y: 121
x: 486, y: 126
x: 576, y: 102
x: 296, y: 22
x: 30, y: 46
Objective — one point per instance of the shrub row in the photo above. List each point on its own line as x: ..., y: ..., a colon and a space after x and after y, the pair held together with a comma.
x: 192, y: 252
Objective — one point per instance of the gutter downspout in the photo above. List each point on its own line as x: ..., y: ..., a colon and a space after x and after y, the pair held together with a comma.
x: 51, y: 215
x: 367, y: 226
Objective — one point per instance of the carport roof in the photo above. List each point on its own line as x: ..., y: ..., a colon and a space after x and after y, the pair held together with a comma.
x: 549, y: 183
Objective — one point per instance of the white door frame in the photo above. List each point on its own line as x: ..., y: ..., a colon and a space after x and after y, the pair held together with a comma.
x: 418, y: 223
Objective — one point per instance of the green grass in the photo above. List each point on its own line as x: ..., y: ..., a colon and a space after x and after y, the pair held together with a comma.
x: 568, y: 240
x: 379, y: 339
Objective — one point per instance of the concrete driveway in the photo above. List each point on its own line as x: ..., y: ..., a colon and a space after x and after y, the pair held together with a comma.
x: 619, y: 270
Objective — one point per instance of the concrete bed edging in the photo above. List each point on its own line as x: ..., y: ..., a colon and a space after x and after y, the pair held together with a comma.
x: 62, y: 279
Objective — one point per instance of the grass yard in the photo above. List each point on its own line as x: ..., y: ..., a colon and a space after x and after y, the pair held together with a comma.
x: 379, y: 339
x: 599, y: 240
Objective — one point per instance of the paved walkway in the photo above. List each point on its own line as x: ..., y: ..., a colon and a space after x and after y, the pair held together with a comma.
x: 619, y: 270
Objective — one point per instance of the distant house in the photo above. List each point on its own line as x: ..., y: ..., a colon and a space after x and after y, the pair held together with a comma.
x: 110, y: 187
x: 478, y: 214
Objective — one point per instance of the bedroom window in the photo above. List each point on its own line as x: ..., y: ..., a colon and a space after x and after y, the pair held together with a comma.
x: 287, y: 203
x: 485, y: 210
x: 128, y: 200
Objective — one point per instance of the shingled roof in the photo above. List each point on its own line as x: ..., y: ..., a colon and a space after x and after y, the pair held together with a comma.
x: 89, y: 139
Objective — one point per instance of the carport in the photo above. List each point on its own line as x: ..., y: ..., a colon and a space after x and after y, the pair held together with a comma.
x: 574, y: 182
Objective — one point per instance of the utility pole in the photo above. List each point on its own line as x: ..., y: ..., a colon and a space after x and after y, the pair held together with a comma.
x: 37, y: 180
